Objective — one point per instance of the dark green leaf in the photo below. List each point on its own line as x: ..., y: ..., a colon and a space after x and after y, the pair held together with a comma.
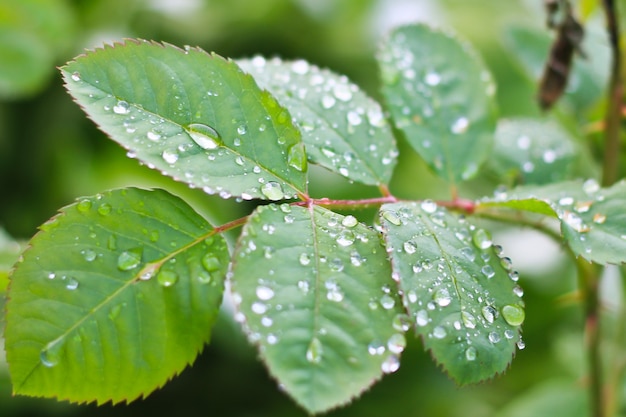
x: 195, y: 116
x: 343, y: 129
x: 532, y: 151
x: 441, y: 96
x: 314, y: 292
x: 461, y: 294
x: 113, y: 297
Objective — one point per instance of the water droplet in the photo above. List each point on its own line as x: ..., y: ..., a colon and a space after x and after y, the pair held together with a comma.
x: 517, y: 290
x: 342, y: 92
x: 354, y: 118
x: 129, y: 259
x: 470, y: 353
x: 315, y: 351
x: 429, y: 206
x: 304, y: 286
x: 272, y: 191
x: 421, y: 318
x: 75, y: 76
x: 401, y: 322
x: 489, y: 313
x: 376, y: 348
x: 392, y: 217
x: 509, y: 334
x: 264, y: 293
x: 333, y: 293
x: 439, y: 332
x: 520, y: 344
x: 513, y: 314
x: 259, y: 308
x: 167, y: 278
x: 469, y: 320
x: 328, y: 102
x: 170, y: 156
x: 115, y: 311
x: 122, y: 107
x: 432, y: 78
x: 494, y: 337
x: 409, y: 247
x: 488, y: 271
x: 71, y: 284
x: 574, y: 221
x: 387, y: 302
x: 599, y: 218
x: 482, y: 239
x: 549, y: 156
x: 88, y: 254
x: 153, y: 136
x: 205, y: 136
x: 272, y: 339
x: 442, y: 297
x: 50, y: 355
x: 211, y: 263
x: 390, y: 365
x: 396, y: 343
x: 112, y: 242
x: 84, y: 205
x: 468, y: 253
x: 104, y: 209
x: 591, y: 186
x: 460, y: 125
x: 349, y: 221
x: 345, y: 238
x: 296, y: 157
x: 267, y: 322
x: 304, y: 259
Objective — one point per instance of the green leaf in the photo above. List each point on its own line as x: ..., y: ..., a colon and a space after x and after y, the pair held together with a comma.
x: 593, y: 221
x: 532, y: 151
x: 530, y: 48
x: 441, y: 95
x: 195, y: 116
x: 343, y: 129
x: 9, y: 253
x: 114, y: 296
x: 460, y: 292
x: 314, y: 292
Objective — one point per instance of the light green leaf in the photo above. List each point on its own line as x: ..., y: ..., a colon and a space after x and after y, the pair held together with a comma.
x: 532, y: 151
x: 115, y: 295
x: 9, y: 253
x: 343, y: 129
x: 314, y: 292
x: 461, y: 294
x: 195, y: 116
x: 441, y: 95
x: 593, y: 221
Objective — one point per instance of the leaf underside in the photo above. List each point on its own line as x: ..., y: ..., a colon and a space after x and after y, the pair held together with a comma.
x: 343, y: 129
x: 115, y: 295
x: 314, y: 293
x: 192, y: 115
x: 461, y: 295
x: 441, y: 95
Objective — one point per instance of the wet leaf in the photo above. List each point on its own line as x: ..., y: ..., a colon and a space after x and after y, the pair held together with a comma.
x: 532, y: 151
x: 343, y: 129
x: 9, y: 253
x: 114, y: 296
x: 441, y: 95
x: 314, y: 293
x: 192, y: 115
x: 462, y: 296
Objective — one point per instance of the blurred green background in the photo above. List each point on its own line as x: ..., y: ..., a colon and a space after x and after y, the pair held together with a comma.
x: 50, y: 154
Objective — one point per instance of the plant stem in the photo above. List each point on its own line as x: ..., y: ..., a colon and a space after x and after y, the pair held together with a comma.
x: 614, y: 105
x: 588, y: 275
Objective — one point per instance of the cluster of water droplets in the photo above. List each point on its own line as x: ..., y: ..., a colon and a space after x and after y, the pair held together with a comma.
x: 447, y: 293
x: 344, y: 129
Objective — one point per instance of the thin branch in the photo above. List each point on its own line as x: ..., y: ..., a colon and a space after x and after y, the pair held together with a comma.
x: 614, y: 106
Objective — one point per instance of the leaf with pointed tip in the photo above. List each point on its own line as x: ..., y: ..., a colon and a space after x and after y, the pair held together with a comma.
x: 441, y: 95
x: 115, y: 295
x: 532, y: 151
x: 192, y: 115
x: 461, y: 295
x: 314, y: 292
x: 343, y: 129
x: 593, y: 221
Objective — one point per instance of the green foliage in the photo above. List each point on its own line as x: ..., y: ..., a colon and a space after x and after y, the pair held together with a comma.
x: 120, y: 291
x: 114, y: 296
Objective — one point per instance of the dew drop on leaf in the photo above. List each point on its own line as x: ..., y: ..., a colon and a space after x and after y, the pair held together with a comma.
x: 272, y: 190
x: 513, y: 314
x: 264, y: 293
x: 396, y: 343
x: 469, y: 320
x: 392, y: 217
x: 204, y: 136
x: 51, y: 353
x: 489, y: 313
x: 210, y: 262
x: 259, y: 308
x: 460, y: 125
x: 409, y: 247
x: 71, y: 284
x: 315, y: 351
x: 421, y: 318
x: 387, y: 302
x: 88, y: 254
x: 84, y: 205
x: 401, y: 322
x: 470, y: 353
x: 296, y: 157
x: 75, y: 76
x: 104, y: 209
x: 488, y: 271
x: 304, y: 259
x: 494, y: 337
x: 442, y: 297
x: 429, y: 206
x: 376, y: 348
x: 167, y: 278
x: 122, y: 107
x: 391, y: 364
x: 129, y: 259
x: 482, y: 239
x: 439, y: 332
x: 345, y: 238
x: 170, y: 156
